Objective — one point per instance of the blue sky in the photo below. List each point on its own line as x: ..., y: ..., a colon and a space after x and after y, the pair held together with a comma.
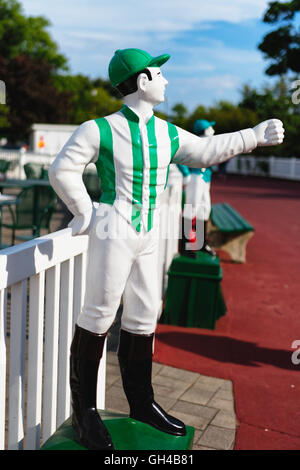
x: 213, y: 44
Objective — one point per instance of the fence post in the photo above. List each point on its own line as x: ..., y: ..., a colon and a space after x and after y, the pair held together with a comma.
x: 271, y: 169
x: 35, y: 361
x: 65, y: 338
x: 22, y: 160
x: 292, y: 167
x: 51, y: 351
x: 17, y: 365
x: 2, y: 366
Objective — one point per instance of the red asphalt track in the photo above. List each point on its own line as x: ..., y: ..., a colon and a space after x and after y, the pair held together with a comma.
x: 252, y: 343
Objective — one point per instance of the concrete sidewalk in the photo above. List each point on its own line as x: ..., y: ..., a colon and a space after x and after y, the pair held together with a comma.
x: 206, y: 403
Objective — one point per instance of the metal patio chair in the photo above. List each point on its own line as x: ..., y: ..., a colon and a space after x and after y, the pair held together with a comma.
x: 33, y: 212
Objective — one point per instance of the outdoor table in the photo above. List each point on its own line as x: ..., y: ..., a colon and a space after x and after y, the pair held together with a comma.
x: 5, y: 200
x: 37, y: 184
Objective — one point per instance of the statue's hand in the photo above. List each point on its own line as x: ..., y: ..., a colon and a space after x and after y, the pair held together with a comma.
x: 81, y: 223
x: 270, y: 132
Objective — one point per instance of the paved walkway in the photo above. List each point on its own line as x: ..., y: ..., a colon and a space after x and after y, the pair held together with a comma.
x: 206, y: 403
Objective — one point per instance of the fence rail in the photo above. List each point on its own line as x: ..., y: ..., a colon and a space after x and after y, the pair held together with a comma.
x: 274, y: 167
x: 42, y: 284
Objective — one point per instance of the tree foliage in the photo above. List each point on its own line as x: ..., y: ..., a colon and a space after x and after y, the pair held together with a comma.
x: 282, y: 45
x: 31, y: 95
x: 89, y: 98
x: 275, y: 101
x: 27, y: 35
x: 37, y: 86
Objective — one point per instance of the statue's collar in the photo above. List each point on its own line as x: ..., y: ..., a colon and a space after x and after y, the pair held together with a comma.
x: 133, y: 116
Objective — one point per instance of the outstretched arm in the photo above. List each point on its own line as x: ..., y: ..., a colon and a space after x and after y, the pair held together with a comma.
x: 198, y: 152
x: 65, y: 173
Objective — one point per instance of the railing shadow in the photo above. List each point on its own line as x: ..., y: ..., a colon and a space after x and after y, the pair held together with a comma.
x: 228, y: 350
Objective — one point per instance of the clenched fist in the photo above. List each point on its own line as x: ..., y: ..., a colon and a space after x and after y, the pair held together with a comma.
x: 270, y: 132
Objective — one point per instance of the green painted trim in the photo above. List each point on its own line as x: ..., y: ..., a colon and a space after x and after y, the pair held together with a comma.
x: 153, y: 170
x: 213, y: 277
x: 174, y: 139
x: 167, y: 176
x: 129, y: 114
x: 137, y: 166
x: 105, y: 164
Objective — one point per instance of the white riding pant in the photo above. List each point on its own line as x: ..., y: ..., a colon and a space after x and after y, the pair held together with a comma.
x: 124, y: 262
x: 197, y: 198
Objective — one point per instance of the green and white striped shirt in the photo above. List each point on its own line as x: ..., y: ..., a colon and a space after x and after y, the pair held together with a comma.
x: 132, y: 159
x: 133, y: 163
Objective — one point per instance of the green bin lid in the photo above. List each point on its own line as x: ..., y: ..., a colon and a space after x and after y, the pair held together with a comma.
x: 204, y: 266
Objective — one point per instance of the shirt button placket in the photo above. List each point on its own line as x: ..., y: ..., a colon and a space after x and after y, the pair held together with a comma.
x: 145, y: 189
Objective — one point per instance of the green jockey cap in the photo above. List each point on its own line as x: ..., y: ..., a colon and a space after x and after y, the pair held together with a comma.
x: 201, y: 124
x: 127, y: 62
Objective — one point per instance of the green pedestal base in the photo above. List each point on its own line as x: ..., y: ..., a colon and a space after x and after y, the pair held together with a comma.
x: 126, y: 434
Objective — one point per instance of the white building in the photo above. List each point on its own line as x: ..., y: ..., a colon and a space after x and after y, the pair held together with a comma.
x: 50, y: 138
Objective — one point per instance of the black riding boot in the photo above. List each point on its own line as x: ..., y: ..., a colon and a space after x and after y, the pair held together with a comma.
x: 86, y: 352
x: 135, y: 358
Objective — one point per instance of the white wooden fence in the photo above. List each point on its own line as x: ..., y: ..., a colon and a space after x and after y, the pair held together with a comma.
x: 42, y: 284
x: 274, y: 167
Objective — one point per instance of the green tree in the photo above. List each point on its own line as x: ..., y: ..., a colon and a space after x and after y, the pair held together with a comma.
x: 282, y: 45
x: 228, y: 117
x: 29, y: 58
x: 179, y: 114
x: 89, y: 98
x: 27, y: 35
x: 31, y: 96
x: 275, y: 101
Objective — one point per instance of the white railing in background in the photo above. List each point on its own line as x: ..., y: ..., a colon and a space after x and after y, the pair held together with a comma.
x: 274, y: 167
x: 20, y: 157
x: 287, y: 168
x: 42, y: 285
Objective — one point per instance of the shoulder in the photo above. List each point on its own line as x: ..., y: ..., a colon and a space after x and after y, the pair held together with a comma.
x: 168, y: 127
x: 87, y: 128
x: 86, y: 135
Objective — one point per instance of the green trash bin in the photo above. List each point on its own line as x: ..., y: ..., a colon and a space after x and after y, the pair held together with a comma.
x: 194, y: 296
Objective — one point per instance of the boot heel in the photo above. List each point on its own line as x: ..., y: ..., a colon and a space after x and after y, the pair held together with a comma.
x: 135, y: 358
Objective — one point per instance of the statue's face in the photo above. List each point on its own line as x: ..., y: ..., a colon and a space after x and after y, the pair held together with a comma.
x: 209, y: 131
x: 154, y: 90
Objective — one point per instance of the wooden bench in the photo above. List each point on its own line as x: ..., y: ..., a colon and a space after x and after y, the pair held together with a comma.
x: 229, y: 231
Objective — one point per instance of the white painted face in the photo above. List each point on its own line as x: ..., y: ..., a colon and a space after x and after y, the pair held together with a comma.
x: 154, y: 90
x: 209, y: 131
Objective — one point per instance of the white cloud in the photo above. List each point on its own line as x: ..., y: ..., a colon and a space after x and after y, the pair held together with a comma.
x: 147, y: 15
x: 89, y: 31
x: 215, y: 82
x: 206, y: 90
x: 92, y: 25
